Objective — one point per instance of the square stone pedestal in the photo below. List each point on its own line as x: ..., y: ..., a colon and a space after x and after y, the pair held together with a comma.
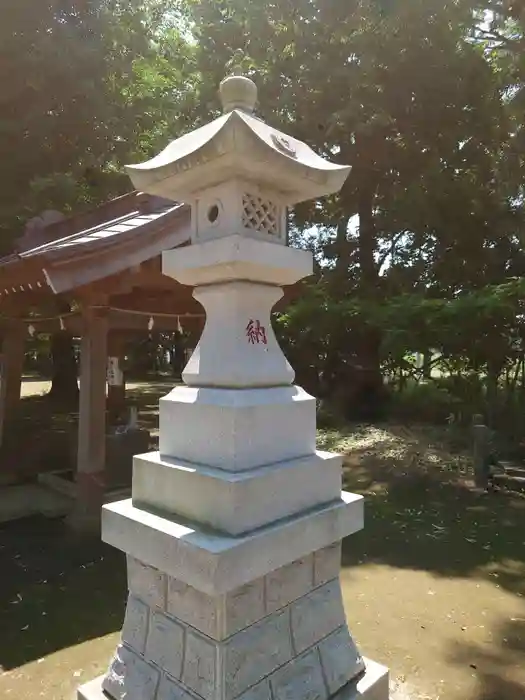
x: 257, y: 616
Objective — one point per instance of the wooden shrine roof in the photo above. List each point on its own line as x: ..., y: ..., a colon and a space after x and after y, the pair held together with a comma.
x: 119, y: 235
x: 112, y: 252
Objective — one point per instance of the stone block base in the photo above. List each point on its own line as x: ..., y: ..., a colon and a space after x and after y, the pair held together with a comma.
x: 280, y: 637
x: 217, y: 617
x: 371, y: 685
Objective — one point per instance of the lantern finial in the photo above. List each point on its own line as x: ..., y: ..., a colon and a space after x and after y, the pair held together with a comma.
x: 236, y: 90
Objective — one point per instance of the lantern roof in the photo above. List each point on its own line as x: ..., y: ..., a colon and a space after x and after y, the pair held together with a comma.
x: 238, y: 145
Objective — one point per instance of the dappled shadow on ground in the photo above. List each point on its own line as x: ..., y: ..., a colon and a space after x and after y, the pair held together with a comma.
x: 56, y: 589
x: 426, y: 526
x: 499, y: 669
x: 423, y: 514
x: 37, y: 437
x: 146, y: 397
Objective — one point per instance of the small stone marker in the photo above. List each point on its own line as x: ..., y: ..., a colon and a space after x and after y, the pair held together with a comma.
x: 233, y: 532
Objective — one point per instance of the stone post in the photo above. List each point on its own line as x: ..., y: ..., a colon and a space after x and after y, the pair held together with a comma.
x: 233, y: 532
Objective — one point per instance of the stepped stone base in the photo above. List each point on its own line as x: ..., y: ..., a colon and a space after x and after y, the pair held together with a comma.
x: 211, y: 616
x: 280, y: 637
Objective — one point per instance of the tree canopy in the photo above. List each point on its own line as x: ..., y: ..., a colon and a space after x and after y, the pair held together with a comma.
x: 423, y: 247
x: 84, y: 88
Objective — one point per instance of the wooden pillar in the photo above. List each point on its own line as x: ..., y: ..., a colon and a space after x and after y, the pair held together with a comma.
x: 12, y: 363
x: 91, y: 454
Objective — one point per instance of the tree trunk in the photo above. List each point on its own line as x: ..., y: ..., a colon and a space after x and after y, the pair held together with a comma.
x: 177, y: 355
x: 427, y: 364
x: 370, y: 393
x: 64, y: 386
x: 367, y: 243
x: 332, y: 381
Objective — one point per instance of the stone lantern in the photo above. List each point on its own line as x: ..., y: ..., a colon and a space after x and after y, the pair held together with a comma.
x: 233, y: 532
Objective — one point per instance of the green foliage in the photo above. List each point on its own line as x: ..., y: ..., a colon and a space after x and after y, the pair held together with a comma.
x: 85, y: 88
x: 421, y: 251
x: 424, y: 402
x: 416, y: 97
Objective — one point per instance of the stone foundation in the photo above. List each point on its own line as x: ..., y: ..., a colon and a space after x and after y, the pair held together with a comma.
x: 372, y: 684
x: 281, y: 637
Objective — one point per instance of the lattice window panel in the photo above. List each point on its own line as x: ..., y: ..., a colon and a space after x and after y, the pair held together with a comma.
x: 259, y: 214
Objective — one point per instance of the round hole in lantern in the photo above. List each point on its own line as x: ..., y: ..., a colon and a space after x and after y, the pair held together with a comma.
x: 213, y: 213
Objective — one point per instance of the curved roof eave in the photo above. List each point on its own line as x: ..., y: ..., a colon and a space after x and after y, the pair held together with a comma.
x: 98, y: 252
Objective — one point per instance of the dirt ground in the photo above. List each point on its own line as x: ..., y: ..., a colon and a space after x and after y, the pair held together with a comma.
x: 137, y: 391
x: 36, y: 387
x: 433, y: 587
